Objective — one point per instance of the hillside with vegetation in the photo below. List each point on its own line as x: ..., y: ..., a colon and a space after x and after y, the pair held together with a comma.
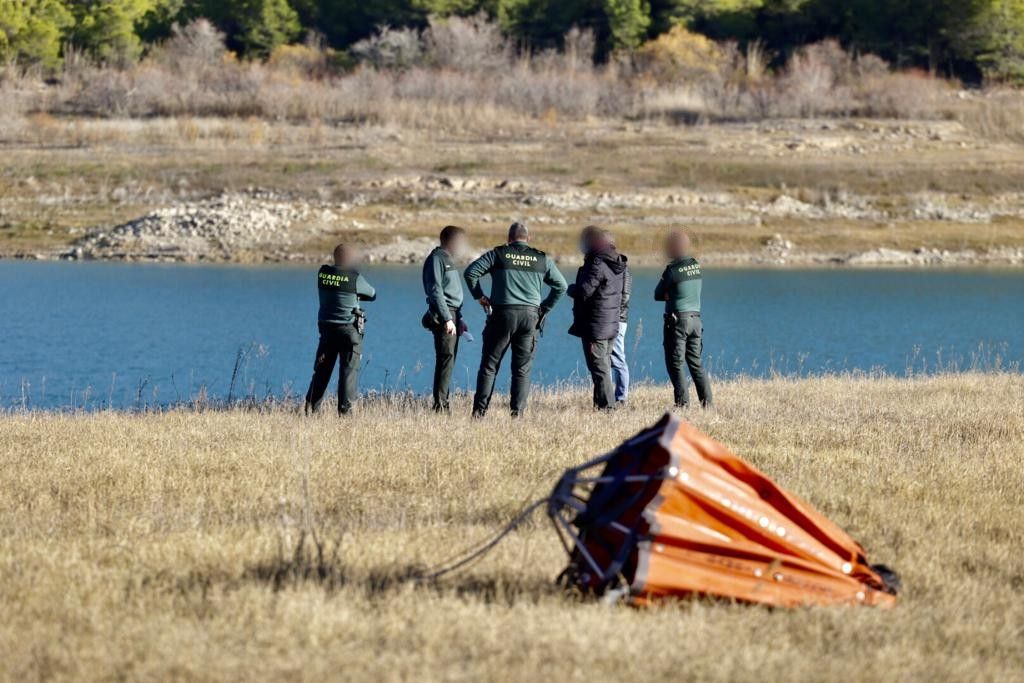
x: 783, y: 133
x: 971, y: 38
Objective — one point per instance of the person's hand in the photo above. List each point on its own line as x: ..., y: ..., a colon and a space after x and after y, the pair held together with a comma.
x: 485, y: 303
x: 463, y: 327
x: 449, y: 327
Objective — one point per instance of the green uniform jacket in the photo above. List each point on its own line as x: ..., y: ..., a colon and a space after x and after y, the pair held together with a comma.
x: 340, y: 293
x: 680, y: 286
x: 442, y: 284
x: 518, y: 275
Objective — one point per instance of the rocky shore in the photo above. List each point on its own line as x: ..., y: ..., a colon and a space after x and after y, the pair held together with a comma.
x: 263, y: 226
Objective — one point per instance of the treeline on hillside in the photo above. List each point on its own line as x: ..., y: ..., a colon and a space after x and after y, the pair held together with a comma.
x: 968, y: 39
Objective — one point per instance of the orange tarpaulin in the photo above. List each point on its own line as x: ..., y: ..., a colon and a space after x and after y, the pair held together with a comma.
x: 672, y: 512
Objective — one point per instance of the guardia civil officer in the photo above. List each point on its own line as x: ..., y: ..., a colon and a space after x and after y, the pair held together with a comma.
x: 680, y: 288
x: 597, y: 305
x: 342, y: 324
x: 443, y: 287
x: 515, y: 312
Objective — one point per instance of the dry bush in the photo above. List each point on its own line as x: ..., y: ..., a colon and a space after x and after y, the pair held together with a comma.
x: 15, y: 102
x: 901, y: 95
x: 466, y: 44
x: 680, y: 56
x: 998, y: 116
x: 390, y: 49
x: 193, y: 50
x: 465, y: 68
x: 578, y: 49
x: 819, y: 80
x: 300, y: 62
x: 816, y: 81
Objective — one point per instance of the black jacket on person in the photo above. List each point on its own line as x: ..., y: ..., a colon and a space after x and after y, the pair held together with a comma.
x: 627, y: 292
x: 597, y: 296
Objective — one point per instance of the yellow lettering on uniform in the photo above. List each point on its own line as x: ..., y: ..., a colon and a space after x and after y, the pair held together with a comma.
x: 522, y: 259
x: 333, y: 280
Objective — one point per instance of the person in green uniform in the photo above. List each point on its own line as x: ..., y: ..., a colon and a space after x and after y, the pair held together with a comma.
x: 443, y: 287
x: 342, y: 325
x: 680, y: 288
x: 515, y: 312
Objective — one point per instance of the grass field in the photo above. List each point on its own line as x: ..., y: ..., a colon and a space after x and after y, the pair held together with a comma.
x: 161, y: 547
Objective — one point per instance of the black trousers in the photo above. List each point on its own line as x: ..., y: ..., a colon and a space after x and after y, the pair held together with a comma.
x: 337, y: 342
x: 507, y: 326
x: 598, y: 354
x: 446, y: 350
x: 684, y: 344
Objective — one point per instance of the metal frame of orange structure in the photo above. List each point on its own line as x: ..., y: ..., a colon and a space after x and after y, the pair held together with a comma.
x: 673, y: 513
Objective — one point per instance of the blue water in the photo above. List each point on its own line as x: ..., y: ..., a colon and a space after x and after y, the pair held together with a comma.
x: 97, y: 334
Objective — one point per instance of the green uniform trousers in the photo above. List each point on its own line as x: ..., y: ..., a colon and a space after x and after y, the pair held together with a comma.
x: 507, y: 326
x: 446, y: 350
x: 337, y: 342
x: 684, y: 344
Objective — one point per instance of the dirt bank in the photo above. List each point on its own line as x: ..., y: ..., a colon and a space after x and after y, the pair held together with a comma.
x: 265, y: 226
x: 797, y: 193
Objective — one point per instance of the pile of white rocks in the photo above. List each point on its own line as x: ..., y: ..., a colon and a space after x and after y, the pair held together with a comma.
x: 401, y: 250
x: 924, y: 256
x: 213, y: 229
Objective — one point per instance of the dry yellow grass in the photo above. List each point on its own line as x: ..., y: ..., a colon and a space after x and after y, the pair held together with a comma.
x: 157, y: 547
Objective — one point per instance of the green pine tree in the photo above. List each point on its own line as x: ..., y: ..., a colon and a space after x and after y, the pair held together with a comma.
x: 995, y: 40
x: 628, y: 21
x: 31, y: 31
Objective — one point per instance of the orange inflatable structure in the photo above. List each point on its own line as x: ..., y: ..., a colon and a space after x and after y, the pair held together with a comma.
x: 672, y: 513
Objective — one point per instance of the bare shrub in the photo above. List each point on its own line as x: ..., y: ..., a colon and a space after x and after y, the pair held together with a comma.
x: 17, y: 93
x: 391, y: 49
x: 813, y: 81
x: 466, y: 44
x: 312, y: 60
x: 100, y: 91
x: 463, y: 71
x: 192, y: 50
x: 870, y: 65
x: 579, y: 48
x: 539, y: 91
x: 724, y: 89
x: 997, y: 116
x: 900, y: 95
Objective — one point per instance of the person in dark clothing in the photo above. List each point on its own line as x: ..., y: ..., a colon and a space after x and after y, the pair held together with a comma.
x: 680, y: 288
x: 515, y: 312
x: 342, y: 324
x: 443, y: 287
x: 620, y: 367
x: 597, y: 306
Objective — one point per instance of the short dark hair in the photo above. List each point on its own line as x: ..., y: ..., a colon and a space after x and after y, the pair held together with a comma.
x: 340, y: 252
x: 592, y: 232
x: 450, y: 232
x: 518, y: 232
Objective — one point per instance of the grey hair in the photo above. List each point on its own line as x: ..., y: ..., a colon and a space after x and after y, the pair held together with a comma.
x: 518, y: 232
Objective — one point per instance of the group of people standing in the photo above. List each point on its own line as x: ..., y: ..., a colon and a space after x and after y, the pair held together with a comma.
x: 526, y: 285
